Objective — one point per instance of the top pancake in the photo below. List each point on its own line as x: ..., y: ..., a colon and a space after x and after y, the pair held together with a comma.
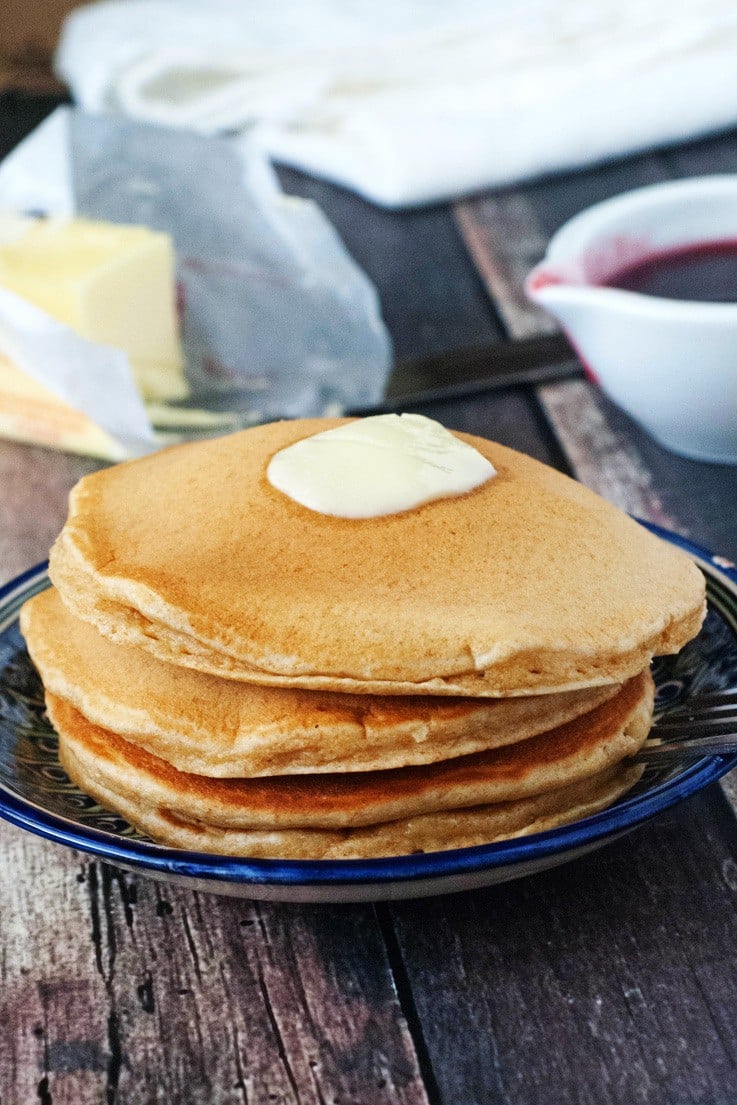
x: 529, y: 584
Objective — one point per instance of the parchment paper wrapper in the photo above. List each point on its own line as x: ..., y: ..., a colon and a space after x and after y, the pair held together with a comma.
x: 276, y: 318
x: 73, y: 369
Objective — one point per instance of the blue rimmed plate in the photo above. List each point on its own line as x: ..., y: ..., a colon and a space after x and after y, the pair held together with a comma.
x: 36, y: 794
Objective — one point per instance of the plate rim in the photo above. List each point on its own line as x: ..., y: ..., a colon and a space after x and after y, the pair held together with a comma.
x: 145, y: 856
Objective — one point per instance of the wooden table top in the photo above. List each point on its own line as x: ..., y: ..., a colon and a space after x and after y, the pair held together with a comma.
x: 610, y: 980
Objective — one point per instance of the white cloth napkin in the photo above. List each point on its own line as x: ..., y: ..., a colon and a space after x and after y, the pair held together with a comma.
x: 418, y: 101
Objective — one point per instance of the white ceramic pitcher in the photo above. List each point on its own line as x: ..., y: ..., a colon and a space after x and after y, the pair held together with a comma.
x: 672, y: 365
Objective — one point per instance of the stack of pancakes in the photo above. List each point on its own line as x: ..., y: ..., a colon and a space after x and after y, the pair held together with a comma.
x: 236, y: 673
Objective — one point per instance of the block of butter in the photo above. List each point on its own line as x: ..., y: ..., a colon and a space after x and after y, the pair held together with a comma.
x: 112, y: 284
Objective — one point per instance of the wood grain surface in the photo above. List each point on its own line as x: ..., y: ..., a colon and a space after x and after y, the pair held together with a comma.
x: 432, y: 299
x: 118, y: 989
x: 610, y: 980
x: 34, y: 486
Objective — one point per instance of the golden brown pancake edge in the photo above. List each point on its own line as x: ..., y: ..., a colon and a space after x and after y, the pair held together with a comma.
x: 530, y: 583
x: 211, y: 726
x: 580, y: 749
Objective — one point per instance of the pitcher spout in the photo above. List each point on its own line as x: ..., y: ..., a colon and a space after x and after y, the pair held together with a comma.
x: 562, y: 291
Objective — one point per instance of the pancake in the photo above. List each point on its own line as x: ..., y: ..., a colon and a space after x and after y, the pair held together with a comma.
x: 216, y: 727
x: 430, y: 833
x: 529, y: 584
x: 578, y: 750
x: 222, y: 816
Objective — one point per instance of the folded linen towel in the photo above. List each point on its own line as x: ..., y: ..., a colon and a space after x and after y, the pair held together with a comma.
x: 414, y: 102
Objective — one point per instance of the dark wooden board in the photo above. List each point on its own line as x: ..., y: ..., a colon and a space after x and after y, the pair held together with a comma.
x: 432, y: 299
x: 611, y: 980
x: 117, y: 989
x: 34, y: 485
x: 509, y: 417
x: 716, y: 154
x: 20, y: 113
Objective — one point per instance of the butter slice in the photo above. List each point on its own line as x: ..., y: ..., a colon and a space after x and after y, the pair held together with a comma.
x: 112, y: 284
x: 375, y: 466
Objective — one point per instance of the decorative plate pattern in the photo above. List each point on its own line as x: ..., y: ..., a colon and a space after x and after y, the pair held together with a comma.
x: 36, y: 793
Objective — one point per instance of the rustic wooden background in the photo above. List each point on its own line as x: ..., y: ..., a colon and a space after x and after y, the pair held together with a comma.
x: 612, y: 980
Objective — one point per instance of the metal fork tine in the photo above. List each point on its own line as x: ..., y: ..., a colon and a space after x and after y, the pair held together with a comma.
x: 709, y: 700
x: 679, y: 752
x: 712, y: 723
x: 705, y: 725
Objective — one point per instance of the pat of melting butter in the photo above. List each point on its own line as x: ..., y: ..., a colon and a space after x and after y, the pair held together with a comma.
x: 381, y: 465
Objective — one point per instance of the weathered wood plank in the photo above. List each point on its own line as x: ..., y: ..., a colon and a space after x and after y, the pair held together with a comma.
x: 558, y: 198
x: 118, y: 989
x: 689, y: 496
x: 605, y: 461
x: 602, y: 446
x: 610, y: 981
x: 488, y: 225
x: 506, y: 237
x: 626, y: 474
x: 34, y: 485
x: 641, y: 1027
x: 507, y: 232
x: 51, y: 1048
